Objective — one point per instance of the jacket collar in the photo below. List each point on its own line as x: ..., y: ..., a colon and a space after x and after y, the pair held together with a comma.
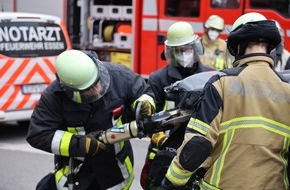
x: 253, y: 58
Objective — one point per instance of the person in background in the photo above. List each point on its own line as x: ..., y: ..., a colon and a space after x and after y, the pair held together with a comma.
x: 215, y: 55
x: 238, y: 125
x: 181, y: 52
x: 75, y: 109
x: 280, y: 55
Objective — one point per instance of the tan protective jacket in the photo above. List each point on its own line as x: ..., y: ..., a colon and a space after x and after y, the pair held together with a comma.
x: 241, y: 115
x: 214, y: 53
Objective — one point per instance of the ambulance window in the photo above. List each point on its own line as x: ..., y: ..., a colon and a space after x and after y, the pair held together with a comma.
x: 281, y: 6
x: 182, y: 8
x: 31, y: 39
x: 225, y: 4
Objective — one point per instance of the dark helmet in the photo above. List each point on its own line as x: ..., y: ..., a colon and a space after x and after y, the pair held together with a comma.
x: 252, y: 27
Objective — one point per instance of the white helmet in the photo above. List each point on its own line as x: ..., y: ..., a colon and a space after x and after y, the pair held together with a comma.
x: 251, y: 27
x: 82, y: 76
x: 216, y: 22
x: 181, y: 39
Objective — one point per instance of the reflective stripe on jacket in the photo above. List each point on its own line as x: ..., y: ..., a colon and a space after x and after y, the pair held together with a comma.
x: 56, y: 119
x: 214, y: 53
x: 244, y: 113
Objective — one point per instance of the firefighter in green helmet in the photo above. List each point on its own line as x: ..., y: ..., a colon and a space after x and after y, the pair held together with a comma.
x: 238, y: 132
x: 181, y: 50
x: 73, y: 111
x: 215, y: 54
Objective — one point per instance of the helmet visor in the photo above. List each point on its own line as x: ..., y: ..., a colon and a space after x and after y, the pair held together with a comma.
x: 95, y: 91
x: 172, y: 52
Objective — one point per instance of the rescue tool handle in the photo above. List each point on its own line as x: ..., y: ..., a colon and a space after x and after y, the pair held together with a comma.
x: 160, y: 121
x: 139, y: 123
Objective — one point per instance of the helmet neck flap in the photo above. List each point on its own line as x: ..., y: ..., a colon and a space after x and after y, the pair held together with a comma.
x: 257, y: 31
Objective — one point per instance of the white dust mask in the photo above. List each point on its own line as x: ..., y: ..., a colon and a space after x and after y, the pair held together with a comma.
x: 184, y: 59
x: 213, y: 34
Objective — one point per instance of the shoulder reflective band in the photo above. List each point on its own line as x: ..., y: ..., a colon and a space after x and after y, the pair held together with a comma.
x: 198, y: 125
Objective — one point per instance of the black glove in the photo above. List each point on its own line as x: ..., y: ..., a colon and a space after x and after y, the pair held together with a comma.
x: 167, y: 185
x: 93, y: 144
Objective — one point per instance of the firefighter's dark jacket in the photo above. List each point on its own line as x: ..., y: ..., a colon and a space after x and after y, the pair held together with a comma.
x: 167, y: 76
x: 54, y: 111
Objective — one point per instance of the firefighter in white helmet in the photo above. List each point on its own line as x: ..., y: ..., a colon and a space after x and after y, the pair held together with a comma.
x: 214, y: 47
x: 238, y: 125
x: 182, y: 49
x: 74, y: 110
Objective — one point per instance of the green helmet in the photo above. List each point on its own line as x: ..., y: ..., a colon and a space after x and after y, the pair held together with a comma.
x: 216, y: 22
x: 76, y: 70
x: 182, y: 39
x: 82, y: 76
x: 180, y: 33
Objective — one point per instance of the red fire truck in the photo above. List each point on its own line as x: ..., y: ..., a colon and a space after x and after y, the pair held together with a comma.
x: 132, y: 32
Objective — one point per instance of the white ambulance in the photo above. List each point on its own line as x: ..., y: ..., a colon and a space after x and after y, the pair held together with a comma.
x: 29, y: 45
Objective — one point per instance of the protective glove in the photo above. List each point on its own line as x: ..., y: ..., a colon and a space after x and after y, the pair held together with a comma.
x: 158, y: 139
x: 146, y: 109
x: 147, y: 106
x: 93, y: 144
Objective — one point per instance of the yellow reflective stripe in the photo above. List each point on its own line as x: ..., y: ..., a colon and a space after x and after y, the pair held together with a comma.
x: 205, y: 186
x: 165, y: 105
x: 283, y: 154
x: 229, y: 128
x: 119, y: 121
x: 72, y: 130
x: 143, y: 98
x: 153, y: 152
x: 77, y: 97
x: 129, y: 167
x: 198, y: 125
x: 62, y: 172
x: 254, y: 122
x: 64, y: 144
x: 76, y: 130
x: 152, y: 155
x: 219, y: 163
x: 176, y: 175
x: 219, y: 64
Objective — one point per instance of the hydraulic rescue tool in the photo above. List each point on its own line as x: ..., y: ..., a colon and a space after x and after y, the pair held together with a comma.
x: 160, y: 121
x: 190, y: 88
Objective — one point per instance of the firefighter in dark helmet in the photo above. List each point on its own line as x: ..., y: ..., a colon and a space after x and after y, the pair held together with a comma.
x: 238, y: 125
